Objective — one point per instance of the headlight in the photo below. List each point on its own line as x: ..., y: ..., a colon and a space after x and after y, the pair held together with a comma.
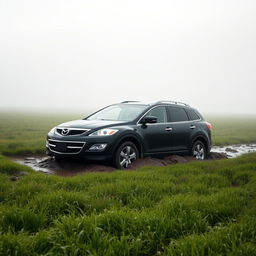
x: 52, y: 130
x: 104, y: 132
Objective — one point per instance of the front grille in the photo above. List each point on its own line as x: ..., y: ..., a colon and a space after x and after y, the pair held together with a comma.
x: 70, y: 131
x: 65, y: 147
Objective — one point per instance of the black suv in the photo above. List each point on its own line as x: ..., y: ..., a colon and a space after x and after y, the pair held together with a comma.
x: 123, y: 132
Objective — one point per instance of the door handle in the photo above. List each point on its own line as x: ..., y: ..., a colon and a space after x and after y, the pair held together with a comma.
x: 192, y: 127
x: 168, y: 129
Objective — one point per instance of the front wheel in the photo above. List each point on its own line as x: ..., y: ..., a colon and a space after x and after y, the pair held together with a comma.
x: 198, y: 150
x: 126, y: 153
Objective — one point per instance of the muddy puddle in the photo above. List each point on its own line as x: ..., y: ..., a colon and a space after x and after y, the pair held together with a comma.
x: 235, y: 150
x: 69, y: 167
x: 65, y: 167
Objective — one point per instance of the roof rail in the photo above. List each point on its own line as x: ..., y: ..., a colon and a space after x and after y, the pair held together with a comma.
x: 128, y: 101
x: 173, y: 102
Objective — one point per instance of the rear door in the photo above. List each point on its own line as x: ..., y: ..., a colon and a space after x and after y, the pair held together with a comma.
x: 194, y: 123
x: 181, y: 128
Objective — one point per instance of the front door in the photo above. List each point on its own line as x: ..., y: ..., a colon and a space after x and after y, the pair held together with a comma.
x: 157, y: 137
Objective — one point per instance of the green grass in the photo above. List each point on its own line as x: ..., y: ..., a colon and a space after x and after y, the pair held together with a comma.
x: 25, y: 133
x: 199, y: 208
x: 233, y: 129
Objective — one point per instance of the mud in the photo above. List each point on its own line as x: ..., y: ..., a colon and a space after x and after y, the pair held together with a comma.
x: 75, y: 167
x: 69, y: 167
x: 65, y: 167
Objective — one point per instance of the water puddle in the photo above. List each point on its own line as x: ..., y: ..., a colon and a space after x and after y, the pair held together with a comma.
x: 235, y: 150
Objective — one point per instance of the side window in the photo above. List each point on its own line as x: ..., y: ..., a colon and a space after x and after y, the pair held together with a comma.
x: 177, y: 114
x: 192, y: 114
x: 160, y: 113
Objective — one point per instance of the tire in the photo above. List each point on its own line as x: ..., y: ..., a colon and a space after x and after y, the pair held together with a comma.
x: 125, y: 154
x: 198, y: 150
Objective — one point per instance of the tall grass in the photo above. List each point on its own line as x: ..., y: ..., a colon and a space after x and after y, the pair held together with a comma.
x: 200, y: 208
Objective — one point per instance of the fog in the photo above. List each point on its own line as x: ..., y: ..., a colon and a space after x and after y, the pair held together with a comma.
x: 75, y: 55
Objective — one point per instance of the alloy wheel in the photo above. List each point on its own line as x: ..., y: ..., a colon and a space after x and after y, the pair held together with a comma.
x: 199, y: 151
x: 127, y: 156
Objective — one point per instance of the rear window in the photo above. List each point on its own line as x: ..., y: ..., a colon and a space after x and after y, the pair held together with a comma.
x: 177, y: 114
x: 193, y: 115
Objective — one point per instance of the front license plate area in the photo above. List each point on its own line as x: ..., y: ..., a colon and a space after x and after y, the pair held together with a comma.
x: 62, y: 147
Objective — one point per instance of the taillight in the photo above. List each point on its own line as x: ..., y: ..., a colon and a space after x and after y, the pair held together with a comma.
x: 209, y: 125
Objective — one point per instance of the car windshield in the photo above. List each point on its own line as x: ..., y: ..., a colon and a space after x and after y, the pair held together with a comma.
x: 122, y: 112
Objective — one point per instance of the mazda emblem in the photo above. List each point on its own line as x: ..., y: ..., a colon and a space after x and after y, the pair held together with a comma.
x: 65, y: 131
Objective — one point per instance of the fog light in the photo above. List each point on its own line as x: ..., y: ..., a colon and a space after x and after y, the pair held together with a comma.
x: 47, y: 144
x: 98, y: 147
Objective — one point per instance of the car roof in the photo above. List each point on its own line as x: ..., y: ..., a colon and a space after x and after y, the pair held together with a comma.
x: 155, y: 103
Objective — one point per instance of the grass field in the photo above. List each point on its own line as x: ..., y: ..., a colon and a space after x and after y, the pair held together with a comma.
x: 199, y: 208
x: 22, y: 133
x: 233, y: 129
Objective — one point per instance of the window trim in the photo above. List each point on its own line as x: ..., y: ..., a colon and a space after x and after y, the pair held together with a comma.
x: 168, y: 121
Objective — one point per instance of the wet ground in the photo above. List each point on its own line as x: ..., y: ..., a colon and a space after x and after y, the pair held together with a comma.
x: 235, y: 150
x: 74, y: 167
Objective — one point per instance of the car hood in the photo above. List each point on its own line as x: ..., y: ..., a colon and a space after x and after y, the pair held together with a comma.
x: 91, y: 124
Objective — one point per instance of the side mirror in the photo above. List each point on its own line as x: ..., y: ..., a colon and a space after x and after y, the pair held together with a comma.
x: 149, y: 120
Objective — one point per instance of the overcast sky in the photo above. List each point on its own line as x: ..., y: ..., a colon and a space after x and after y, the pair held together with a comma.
x: 78, y: 55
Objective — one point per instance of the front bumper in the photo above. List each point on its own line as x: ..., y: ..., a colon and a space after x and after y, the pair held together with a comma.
x: 80, y: 147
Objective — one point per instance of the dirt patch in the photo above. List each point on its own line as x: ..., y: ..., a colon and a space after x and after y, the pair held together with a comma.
x: 173, y: 159
x: 64, y: 167
x: 71, y: 167
x: 217, y: 155
x: 74, y: 167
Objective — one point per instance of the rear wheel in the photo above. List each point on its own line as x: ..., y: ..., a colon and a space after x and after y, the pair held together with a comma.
x: 198, y: 150
x: 126, y: 153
